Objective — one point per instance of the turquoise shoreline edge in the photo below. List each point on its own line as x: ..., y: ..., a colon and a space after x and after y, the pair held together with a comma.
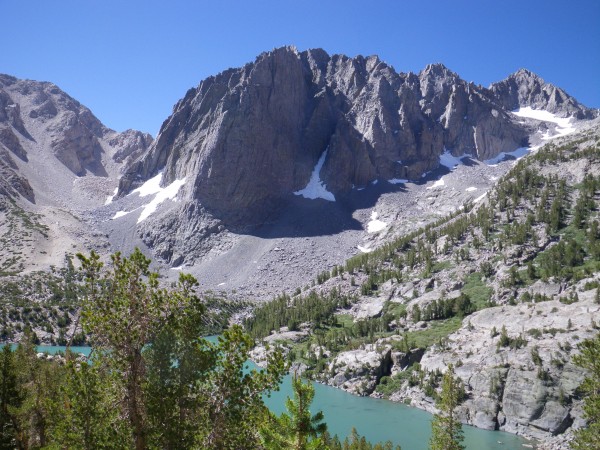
x: 376, y: 419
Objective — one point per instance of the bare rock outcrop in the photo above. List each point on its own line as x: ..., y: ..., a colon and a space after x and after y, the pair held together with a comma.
x: 529, y: 388
x: 359, y: 371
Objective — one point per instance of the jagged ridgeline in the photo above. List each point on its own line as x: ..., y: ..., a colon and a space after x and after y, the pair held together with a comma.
x: 504, y: 288
x: 291, y: 145
x: 244, y: 141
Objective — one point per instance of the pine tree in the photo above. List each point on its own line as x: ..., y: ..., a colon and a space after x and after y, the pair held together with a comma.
x: 446, y: 429
x: 231, y: 396
x: 356, y: 442
x: 173, y: 388
x: 38, y: 381
x: 84, y: 415
x: 9, y: 398
x: 589, y: 359
x: 298, y: 429
x: 123, y: 308
x: 178, y: 361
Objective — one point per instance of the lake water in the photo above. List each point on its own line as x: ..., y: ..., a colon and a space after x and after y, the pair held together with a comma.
x: 377, y: 420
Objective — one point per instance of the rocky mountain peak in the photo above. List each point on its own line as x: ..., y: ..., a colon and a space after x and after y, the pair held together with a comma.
x: 524, y: 73
x: 526, y: 89
x: 437, y: 70
x: 247, y: 139
x: 41, y: 124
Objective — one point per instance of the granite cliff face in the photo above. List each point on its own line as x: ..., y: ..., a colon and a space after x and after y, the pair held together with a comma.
x: 248, y: 137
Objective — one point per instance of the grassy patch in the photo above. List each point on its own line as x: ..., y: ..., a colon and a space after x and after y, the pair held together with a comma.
x: 390, y: 384
x: 395, y: 309
x: 344, y: 320
x: 479, y: 292
x: 442, y: 265
x: 437, y: 331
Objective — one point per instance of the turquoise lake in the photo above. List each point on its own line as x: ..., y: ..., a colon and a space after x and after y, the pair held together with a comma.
x: 377, y: 420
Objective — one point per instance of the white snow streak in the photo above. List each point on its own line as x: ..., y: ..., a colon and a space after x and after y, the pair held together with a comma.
x: 167, y: 193
x: 109, y: 199
x: 152, y: 186
x: 315, y: 187
x: 375, y: 224
x: 471, y: 189
x: 120, y: 214
x: 563, y: 124
x: 438, y: 183
x: 450, y: 161
x: 397, y: 181
x: 364, y: 249
x: 481, y: 197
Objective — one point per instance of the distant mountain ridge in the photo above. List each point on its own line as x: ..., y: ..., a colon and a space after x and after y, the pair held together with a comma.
x: 56, y: 160
x: 72, y: 131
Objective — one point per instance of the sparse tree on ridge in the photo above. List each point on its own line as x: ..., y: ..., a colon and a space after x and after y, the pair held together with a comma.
x: 446, y: 429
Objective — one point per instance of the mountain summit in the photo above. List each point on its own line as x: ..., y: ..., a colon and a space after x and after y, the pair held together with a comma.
x: 248, y: 138
x: 524, y: 88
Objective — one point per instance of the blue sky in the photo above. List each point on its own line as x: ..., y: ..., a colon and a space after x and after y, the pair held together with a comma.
x: 129, y: 61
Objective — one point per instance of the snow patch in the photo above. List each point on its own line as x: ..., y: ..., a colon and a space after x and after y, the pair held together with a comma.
x: 167, y: 193
x: 375, y: 224
x: 438, y: 183
x: 109, y: 199
x: 450, y: 161
x: 471, y: 189
x: 364, y: 249
x: 481, y: 197
x: 315, y: 187
x: 397, y: 181
x: 518, y: 153
x: 177, y: 268
x: 152, y: 186
x: 120, y: 214
x: 564, y: 125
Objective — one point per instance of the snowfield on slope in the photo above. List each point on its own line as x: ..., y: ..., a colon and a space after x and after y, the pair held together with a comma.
x: 315, y: 187
x: 152, y: 187
x: 564, y: 125
x: 375, y: 224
